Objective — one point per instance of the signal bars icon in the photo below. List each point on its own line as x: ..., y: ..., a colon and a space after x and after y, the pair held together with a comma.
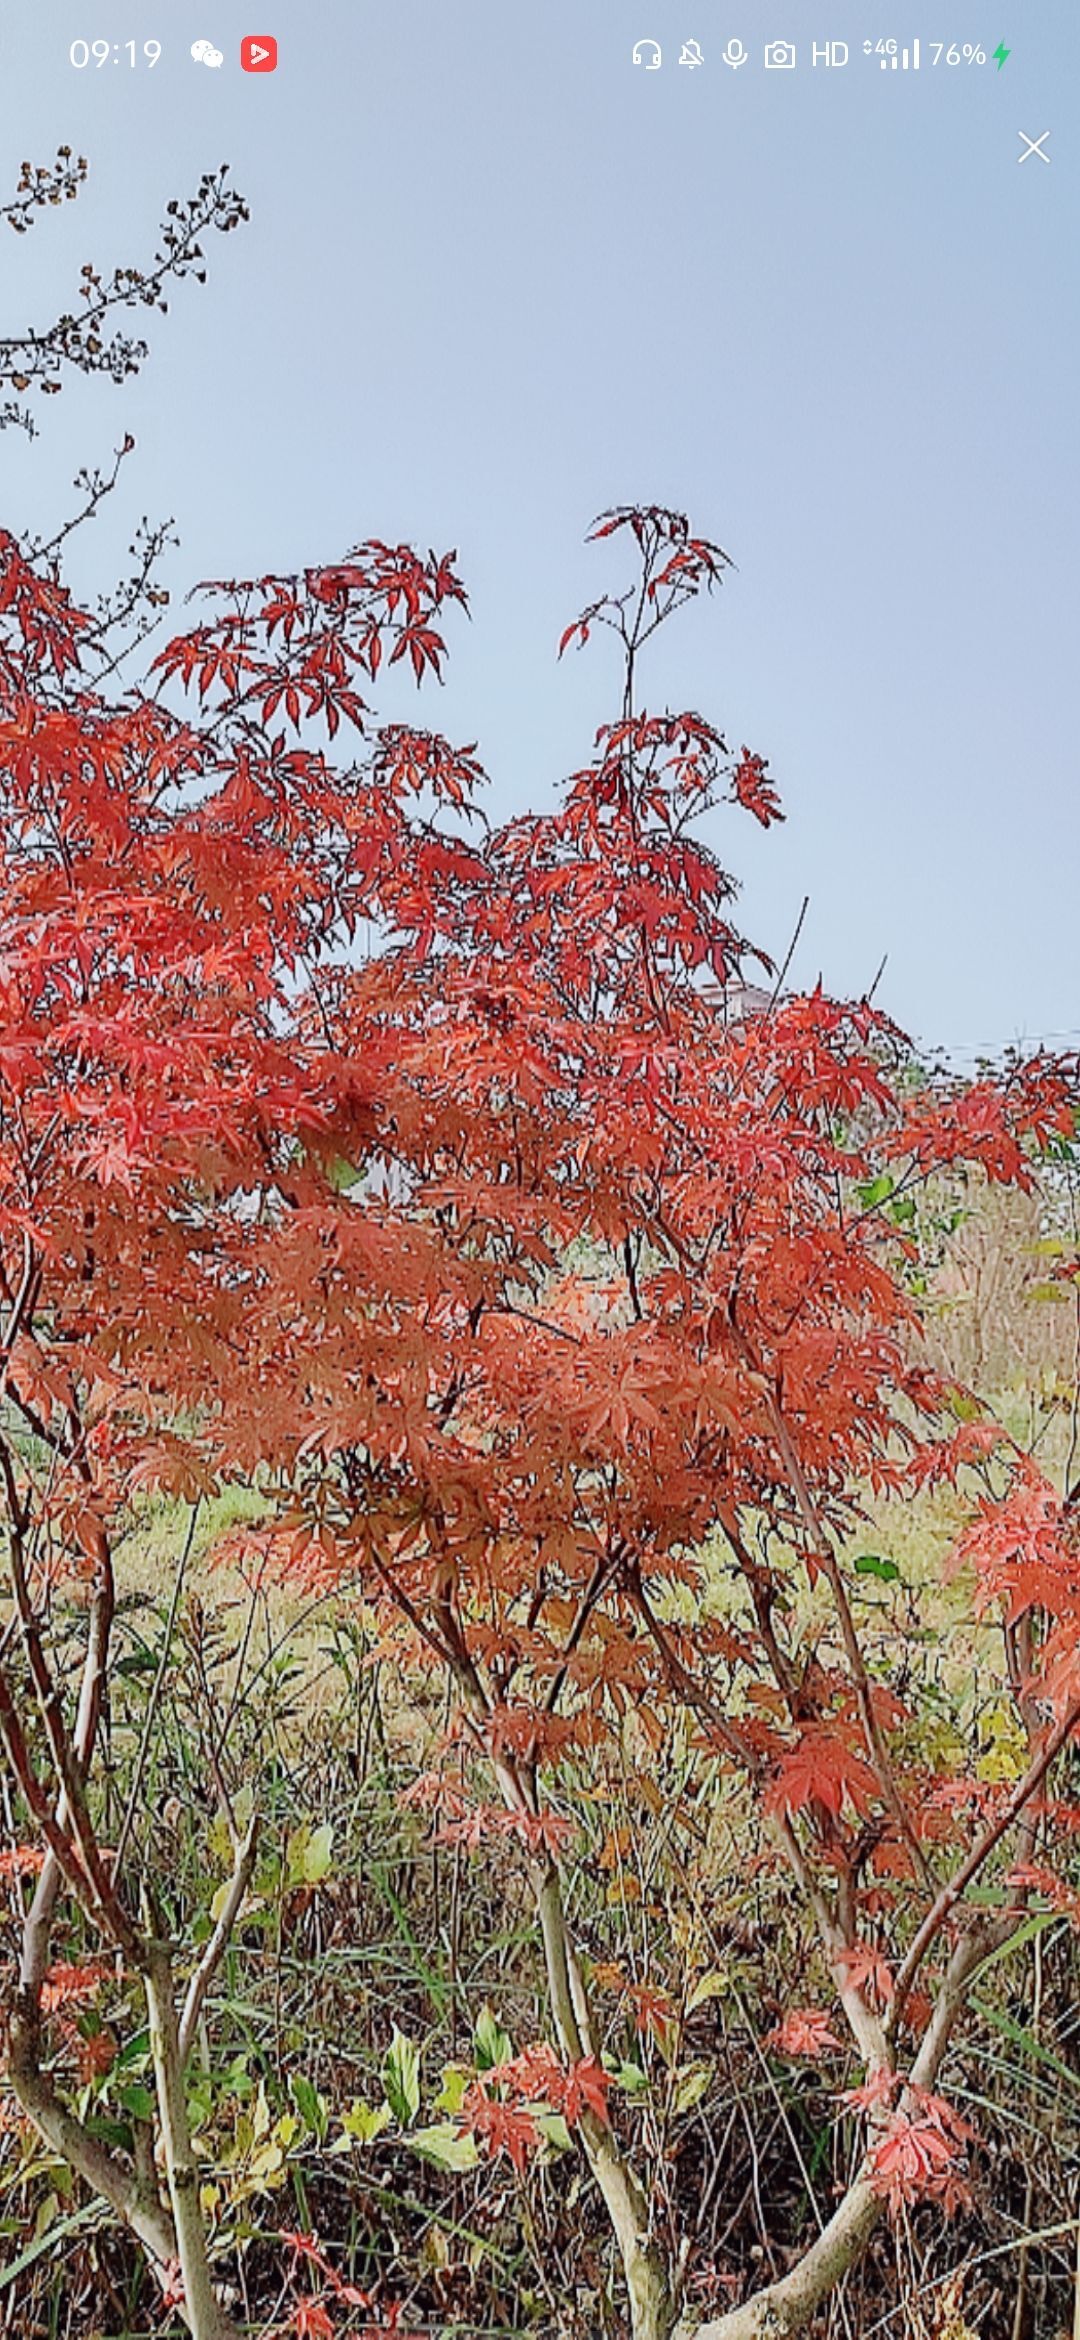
x: 906, y: 57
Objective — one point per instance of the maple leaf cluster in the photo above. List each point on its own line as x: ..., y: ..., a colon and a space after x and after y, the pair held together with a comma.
x: 312, y: 2315
x: 920, y: 2153
x: 504, y: 2105
x: 805, y: 2031
x: 1024, y: 1548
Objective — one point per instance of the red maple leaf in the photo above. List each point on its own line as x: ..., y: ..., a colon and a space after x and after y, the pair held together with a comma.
x: 807, y: 2031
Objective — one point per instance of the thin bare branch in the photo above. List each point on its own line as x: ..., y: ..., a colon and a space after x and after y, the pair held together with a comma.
x: 243, y: 1865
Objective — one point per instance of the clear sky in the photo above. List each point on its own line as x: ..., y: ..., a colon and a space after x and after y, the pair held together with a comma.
x: 498, y: 278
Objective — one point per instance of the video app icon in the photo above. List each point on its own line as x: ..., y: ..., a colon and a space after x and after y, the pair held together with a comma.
x: 258, y: 53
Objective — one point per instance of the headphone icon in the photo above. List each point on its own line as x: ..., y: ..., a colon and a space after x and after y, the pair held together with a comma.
x: 649, y: 54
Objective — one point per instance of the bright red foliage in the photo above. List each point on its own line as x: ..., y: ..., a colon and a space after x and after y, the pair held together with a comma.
x: 515, y: 1265
x: 806, y: 2031
x: 920, y: 2153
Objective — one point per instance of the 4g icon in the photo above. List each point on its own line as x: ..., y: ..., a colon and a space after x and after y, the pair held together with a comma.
x: 258, y: 53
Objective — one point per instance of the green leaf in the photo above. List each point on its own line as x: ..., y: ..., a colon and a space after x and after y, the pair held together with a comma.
x: 708, y: 1986
x: 554, y: 2132
x: 690, y: 2086
x: 1037, y: 1923
x: 137, y: 2101
x: 1022, y: 2038
x: 401, y: 2078
x: 964, y: 1408
x: 451, y: 2096
x: 872, y: 1564
x: 46, y: 2212
x: 49, y: 2240
x: 308, y: 1854
x: 140, y: 1661
x: 446, y: 2144
x: 317, y: 1855
x: 220, y: 1901
x: 492, y: 2043
x: 631, y: 2078
x: 135, y: 2050
x: 309, y: 2105
x: 877, y: 1191
x: 363, y: 2122
x: 109, y: 2132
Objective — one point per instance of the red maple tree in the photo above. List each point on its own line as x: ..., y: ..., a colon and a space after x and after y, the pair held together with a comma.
x: 649, y: 1280
x: 519, y: 1260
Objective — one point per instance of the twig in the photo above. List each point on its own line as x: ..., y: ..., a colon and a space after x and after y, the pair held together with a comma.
x: 243, y: 1864
x: 826, y: 1557
x: 68, y: 1771
x: 791, y: 950
x: 59, y: 1844
x: 152, y: 1704
x: 956, y: 1886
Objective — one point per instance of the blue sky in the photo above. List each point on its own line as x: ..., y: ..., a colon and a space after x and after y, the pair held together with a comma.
x: 497, y: 279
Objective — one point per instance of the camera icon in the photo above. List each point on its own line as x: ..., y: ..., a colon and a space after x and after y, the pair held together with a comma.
x: 780, y: 53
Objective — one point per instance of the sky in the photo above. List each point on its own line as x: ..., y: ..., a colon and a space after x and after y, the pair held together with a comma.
x: 498, y: 278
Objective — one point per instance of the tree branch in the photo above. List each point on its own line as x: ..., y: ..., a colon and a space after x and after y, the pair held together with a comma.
x: 107, y: 2175
x: 824, y: 1554
x: 785, y: 2308
x: 243, y: 1864
x: 644, y: 2264
x: 204, y: 2315
x: 103, y: 1896
x: 956, y: 1886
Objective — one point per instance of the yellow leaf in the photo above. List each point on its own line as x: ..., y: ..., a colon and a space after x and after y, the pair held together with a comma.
x: 451, y: 2096
x: 707, y: 1986
x: 363, y: 2122
x: 690, y: 2086
x: 317, y: 1854
x: 447, y: 2145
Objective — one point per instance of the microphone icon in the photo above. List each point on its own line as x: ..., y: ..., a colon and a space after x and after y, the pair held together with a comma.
x: 735, y: 55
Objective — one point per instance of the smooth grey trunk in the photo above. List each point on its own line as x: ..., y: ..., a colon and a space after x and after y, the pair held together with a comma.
x: 134, y: 2197
x: 652, y: 2304
x: 786, y: 2307
x: 203, y: 2313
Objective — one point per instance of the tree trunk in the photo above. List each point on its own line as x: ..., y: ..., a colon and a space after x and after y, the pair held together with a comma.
x: 785, y: 2308
x: 136, y: 2204
x: 652, y: 2304
x: 203, y: 2313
